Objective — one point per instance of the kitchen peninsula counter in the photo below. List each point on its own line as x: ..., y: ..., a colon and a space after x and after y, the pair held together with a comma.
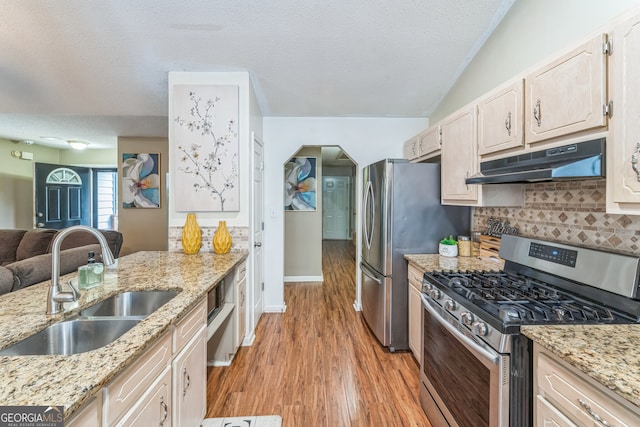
x: 72, y: 380
x: 605, y: 353
x: 430, y: 262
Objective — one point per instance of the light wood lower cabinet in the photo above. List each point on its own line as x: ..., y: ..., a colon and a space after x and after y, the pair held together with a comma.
x: 166, y: 386
x: 190, y: 382
x: 566, y: 397
x: 89, y: 416
x: 415, y: 310
x: 154, y: 407
x: 127, y: 388
x: 548, y: 415
x: 241, y: 303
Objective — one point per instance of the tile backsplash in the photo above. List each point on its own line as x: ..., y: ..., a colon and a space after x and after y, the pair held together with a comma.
x: 571, y: 212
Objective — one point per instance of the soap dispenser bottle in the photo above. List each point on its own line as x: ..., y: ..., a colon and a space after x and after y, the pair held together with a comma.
x: 92, y: 274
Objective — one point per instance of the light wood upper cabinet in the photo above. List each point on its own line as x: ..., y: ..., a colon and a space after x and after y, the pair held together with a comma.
x: 623, y: 179
x: 410, y: 148
x: 459, y: 157
x: 429, y: 142
x: 568, y: 94
x: 424, y: 145
x: 500, y: 119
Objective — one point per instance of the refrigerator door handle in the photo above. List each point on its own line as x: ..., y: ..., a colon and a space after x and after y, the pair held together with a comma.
x: 370, y: 274
x: 368, y: 208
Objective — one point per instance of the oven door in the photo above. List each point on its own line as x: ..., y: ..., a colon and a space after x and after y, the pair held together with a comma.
x: 464, y: 381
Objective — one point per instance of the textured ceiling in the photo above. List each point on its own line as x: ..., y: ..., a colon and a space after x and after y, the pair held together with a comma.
x: 94, y: 69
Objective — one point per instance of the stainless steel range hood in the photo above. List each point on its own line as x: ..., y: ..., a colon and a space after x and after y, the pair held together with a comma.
x: 583, y: 160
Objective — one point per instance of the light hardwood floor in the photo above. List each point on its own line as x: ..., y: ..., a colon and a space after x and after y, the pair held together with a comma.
x: 318, y: 364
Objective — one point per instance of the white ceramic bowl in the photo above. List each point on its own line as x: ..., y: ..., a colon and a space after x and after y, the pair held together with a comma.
x: 448, y: 250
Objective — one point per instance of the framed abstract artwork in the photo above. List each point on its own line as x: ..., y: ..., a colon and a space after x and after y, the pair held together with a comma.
x: 300, y: 184
x: 140, y: 180
x: 205, y: 131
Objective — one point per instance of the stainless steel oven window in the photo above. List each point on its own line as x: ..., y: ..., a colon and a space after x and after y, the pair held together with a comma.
x: 467, y: 379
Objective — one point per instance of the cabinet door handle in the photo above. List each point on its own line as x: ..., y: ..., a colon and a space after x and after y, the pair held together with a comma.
x: 537, y: 113
x: 164, y: 410
x: 186, y: 380
x: 634, y: 161
x: 597, y: 418
x: 507, y: 123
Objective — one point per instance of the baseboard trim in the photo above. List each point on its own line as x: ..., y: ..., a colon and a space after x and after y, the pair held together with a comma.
x: 274, y: 308
x: 303, y: 279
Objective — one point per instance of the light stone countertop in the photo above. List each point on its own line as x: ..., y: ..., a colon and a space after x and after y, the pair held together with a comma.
x: 430, y: 262
x: 71, y: 381
x: 607, y: 353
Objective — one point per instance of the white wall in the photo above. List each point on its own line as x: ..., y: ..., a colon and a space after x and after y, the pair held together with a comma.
x: 531, y: 32
x: 366, y: 140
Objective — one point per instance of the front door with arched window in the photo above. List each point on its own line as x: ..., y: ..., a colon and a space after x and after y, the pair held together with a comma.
x: 62, y: 196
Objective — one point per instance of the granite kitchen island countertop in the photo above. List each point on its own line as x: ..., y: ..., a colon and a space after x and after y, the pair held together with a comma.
x: 70, y: 381
x: 605, y: 353
x: 429, y: 262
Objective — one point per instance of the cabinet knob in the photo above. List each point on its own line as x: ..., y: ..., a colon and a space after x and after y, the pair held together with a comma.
x: 164, y: 409
x: 537, y: 113
x: 257, y: 244
x: 597, y: 418
x: 507, y: 123
x: 186, y: 381
x: 634, y: 161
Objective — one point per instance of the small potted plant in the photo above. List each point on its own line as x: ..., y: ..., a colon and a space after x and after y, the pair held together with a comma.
x: 448, y: 247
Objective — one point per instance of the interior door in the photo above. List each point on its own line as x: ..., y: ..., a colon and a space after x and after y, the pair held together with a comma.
x: 335, y: 207
x: 258, y: 228
x: 62, y: 196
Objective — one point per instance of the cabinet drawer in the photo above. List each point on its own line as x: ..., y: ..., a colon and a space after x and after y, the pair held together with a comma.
x: 577, y: 398
x: 126, y: 388
x: 154, y: 408
x: 241, y: 271
x: 415, y: 277
x: 187, y: 327
x: 548, y: 415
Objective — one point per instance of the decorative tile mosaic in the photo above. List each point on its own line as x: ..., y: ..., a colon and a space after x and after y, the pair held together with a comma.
x: 568, y: 212
x: 239, y: 235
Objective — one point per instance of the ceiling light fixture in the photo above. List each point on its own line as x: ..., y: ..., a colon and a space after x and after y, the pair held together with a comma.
x: 78, y: 145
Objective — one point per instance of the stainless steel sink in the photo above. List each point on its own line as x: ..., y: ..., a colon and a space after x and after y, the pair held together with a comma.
x: 72, y: 337
x: 130, y: 304
x: 93, y: 327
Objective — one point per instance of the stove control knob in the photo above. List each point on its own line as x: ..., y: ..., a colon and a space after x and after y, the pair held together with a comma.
x: 467, y: 318
x: 435, y: 294
x: 449, y: 304
x: 479, y: 328
x: 426, y: 286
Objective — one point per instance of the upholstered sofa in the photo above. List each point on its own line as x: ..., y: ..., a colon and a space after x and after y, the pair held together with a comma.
x: 25, y: 255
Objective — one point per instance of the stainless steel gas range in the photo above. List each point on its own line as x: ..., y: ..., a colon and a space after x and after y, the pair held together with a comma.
x: 476, y: 365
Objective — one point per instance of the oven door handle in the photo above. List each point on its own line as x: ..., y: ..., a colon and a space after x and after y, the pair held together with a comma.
x: 493, y: 358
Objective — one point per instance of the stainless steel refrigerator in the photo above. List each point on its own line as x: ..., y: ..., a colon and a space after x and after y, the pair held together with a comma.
x: 402, y: 214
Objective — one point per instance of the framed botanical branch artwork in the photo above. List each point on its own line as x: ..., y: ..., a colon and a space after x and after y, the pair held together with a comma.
x: 205, y: 131
x: 300, y: 184
x: 140, y: 180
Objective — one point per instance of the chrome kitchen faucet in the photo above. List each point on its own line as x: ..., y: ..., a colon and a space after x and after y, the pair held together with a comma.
x: 56, y: 297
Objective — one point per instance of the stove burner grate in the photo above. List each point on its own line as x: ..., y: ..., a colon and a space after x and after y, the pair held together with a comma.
x: 516, y: 299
